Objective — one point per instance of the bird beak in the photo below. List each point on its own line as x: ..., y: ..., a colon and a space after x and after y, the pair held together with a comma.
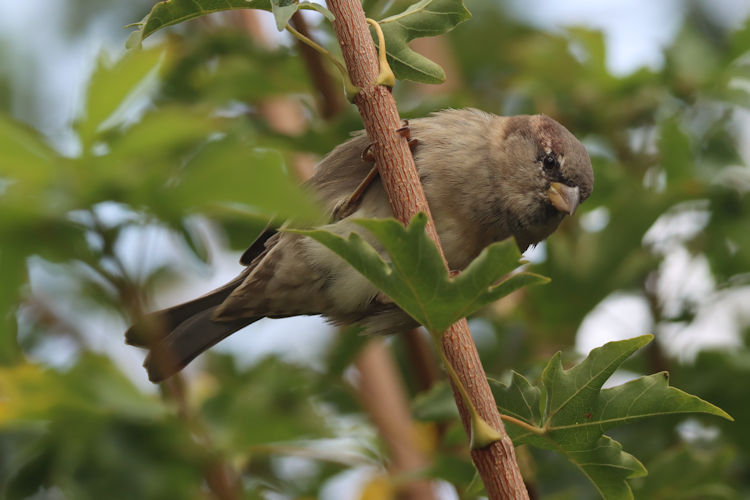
x: 563, y: 197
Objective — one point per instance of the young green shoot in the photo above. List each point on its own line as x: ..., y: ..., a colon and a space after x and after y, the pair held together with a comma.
x: 350, y: 89
x: 482, y: 433
x: 385, y: 76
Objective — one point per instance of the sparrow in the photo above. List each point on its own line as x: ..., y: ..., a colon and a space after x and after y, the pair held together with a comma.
x: 486, y: 178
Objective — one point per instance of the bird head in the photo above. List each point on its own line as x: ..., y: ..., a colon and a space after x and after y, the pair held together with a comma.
x: 548, y: 174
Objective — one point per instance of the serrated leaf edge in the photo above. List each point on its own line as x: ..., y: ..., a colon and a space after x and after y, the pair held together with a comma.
x: 555, y: 363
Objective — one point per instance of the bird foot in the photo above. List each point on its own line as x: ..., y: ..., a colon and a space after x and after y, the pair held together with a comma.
x: 349, y: 206
x: 405, y: 132
x: 367, y: 153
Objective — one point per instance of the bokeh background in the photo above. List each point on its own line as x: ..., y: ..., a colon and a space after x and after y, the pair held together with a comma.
x: 128, y: 181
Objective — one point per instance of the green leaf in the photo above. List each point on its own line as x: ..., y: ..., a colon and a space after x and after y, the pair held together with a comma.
x: 13, y: 270
x: 345, y: 348
x: 689, y: 473
x: 25, y: 156
x: 437, y: 403
x: 740, y: 41
x: 225, y: 67
x: 171, y: 12
x: 416, y: 279
x: 144, y: 161
x: 521, y: 399
x: 456, y: 470
x: 283, y: 10
x: 422, y: 19
x: 419, y: 20
x: 110, y: 87
x: 593, y: 45
x: 676, y: 153
x: 162, y: 133
x: 577, y: 412
x: 229, y: 176
x: 31, y: 393
x: 277, y: 394
x: 318, y: 8
x: 76, y: 427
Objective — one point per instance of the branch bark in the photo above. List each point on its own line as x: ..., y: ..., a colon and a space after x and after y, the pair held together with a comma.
x: 496, y: 464
x: 384, y: 397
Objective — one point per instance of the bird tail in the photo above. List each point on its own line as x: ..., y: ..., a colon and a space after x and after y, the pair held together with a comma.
x: 175, y: 336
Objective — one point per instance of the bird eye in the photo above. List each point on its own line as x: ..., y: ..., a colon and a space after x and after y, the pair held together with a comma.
x: 549, y: 162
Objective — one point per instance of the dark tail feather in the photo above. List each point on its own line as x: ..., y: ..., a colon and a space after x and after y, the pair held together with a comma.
x: 199, y: 332
x: 175, y: 336
x: 156, y: 325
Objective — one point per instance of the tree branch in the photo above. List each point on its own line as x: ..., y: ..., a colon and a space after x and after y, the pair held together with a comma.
x: 383, y: 396
x: 496, y: 463
x: 330, y: 98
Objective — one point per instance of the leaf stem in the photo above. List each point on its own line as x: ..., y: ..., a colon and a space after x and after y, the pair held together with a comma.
x: 520, y: 423
x: 350, y: 89
x: 482, y: 433
x: 385, y: 76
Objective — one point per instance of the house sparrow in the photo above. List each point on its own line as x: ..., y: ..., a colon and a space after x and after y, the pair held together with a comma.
x: 486, y: 178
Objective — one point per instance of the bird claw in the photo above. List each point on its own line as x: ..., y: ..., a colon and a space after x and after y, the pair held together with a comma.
x: 404, y: 131
x: 367, y: 154
x: 342, y: 209
x: 348, y: 206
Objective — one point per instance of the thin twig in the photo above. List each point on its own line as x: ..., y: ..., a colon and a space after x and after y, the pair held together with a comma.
x: 384, y: 397
x: 220, y: 477
x: 421, y: 359
x: 331, y: 102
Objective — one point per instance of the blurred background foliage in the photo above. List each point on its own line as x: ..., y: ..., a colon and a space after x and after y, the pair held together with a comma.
x: 174, y: 146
